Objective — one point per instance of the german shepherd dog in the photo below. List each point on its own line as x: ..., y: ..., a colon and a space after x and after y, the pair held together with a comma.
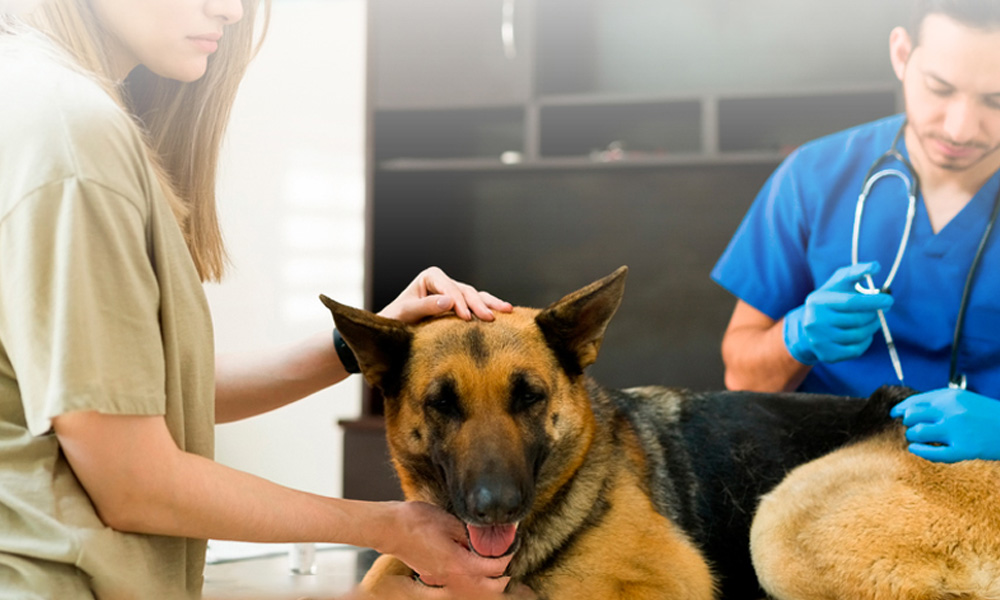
x: 649, y: 493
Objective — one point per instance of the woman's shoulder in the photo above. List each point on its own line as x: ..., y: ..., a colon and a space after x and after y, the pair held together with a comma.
x: 60, y: 122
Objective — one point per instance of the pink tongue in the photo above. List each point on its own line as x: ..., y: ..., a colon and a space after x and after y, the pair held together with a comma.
x: 493, y: 540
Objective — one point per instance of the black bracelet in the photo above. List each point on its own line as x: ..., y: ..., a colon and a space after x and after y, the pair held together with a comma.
x: 345, y: 354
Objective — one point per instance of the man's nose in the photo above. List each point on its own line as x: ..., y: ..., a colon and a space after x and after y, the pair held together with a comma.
x: 961, y: 120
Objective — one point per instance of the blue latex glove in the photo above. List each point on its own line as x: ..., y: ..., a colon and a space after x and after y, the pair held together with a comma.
x: 836, y: 322
x: 964, y: 423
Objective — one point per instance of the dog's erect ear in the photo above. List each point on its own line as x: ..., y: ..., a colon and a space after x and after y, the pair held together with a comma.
x: 381, y: 345
x: 574, y: 326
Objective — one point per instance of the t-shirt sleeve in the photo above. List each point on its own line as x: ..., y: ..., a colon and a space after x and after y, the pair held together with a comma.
x: 79, y: 304
x: 766, y: 262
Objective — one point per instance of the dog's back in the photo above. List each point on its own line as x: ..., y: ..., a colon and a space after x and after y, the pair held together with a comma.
x: 712, y: 455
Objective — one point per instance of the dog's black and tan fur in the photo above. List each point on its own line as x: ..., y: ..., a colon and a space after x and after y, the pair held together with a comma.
x: 644, y: 493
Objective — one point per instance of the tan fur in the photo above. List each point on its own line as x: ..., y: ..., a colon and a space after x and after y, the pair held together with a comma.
x: 874, y: 522
x: 635, y: 553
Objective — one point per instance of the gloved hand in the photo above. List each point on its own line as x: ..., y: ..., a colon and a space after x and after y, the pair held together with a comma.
x: 836, y: 322
x: 964, y: 423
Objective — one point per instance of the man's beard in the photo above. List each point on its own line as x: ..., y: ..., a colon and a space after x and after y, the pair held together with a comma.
x: 941, y: 159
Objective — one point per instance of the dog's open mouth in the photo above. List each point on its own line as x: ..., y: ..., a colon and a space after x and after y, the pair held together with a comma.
x: 492, y: 540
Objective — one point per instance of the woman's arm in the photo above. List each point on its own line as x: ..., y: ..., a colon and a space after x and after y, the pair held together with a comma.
x: 754, y: 353
x: 250, y: 385
x: 140, y: 481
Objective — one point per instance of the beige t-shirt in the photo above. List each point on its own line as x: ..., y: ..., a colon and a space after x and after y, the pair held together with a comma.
x: 101, y: 308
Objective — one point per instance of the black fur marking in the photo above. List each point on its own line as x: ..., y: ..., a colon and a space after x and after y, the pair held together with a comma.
x: 423, y: 469
x: 669, y: 475
x: 475, y: 346
x: 442, y: 400
x: 525, y: 393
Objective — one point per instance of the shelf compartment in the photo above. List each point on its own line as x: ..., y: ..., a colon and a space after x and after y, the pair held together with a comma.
x: 782, y: 123
x: 482, y: 133
x: 680, y: 46
x: 621, y: 130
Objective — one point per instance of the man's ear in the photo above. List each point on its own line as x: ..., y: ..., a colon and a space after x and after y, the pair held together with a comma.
x: 381, y: 345
x: 900, y: 48
x: 574, y: 326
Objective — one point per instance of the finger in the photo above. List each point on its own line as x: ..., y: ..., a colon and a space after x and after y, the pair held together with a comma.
x: 927, y: 433
x: 415, y: 309
x: 900, y: 409
x: 845, y: 277
x: 475, y: 303
x: 495, y: 303
x: 867, y: 303
x: 851, y: 301
x: 942, y: 454
x: 853, y: 331
x: 479, y: 566
x: 435, y: 281
x: 477, y: 587
x: 459, y: 302
x: 831, y: 352
x: 907, y: 404
x: 921, y: 412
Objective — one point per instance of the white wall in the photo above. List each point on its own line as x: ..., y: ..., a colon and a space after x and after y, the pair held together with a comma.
x: 291, y: 197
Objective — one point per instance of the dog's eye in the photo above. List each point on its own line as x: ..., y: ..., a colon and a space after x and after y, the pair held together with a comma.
x: 444, y: 401
x: 525, y: 395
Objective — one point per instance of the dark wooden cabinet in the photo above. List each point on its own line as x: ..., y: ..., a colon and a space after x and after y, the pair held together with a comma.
x: 629, y: 132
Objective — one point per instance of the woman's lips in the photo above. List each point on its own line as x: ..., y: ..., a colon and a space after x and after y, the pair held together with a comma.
x: 208, y: 43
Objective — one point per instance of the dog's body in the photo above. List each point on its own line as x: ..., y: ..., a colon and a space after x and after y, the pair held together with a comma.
x: 873, y: 521
x: 645, y: 493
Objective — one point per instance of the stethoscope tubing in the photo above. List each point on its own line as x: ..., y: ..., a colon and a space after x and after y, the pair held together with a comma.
x: 912, y: 180
x: 911, y: 211
x: 956, y: 380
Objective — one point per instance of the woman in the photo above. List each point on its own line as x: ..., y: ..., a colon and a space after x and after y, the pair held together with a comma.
x: 111, y: 118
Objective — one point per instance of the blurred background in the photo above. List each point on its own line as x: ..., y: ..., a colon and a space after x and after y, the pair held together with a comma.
x: 291, y: 199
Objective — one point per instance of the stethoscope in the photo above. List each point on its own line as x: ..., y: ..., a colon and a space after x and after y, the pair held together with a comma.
x: 955, y: 379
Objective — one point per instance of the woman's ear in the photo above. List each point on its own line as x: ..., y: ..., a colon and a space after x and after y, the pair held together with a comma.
x: 900, y: 47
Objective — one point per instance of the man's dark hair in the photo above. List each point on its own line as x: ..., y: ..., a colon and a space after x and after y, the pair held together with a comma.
x: 981, y: 14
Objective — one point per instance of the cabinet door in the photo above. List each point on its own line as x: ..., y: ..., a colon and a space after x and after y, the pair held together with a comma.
x: 450, y: 53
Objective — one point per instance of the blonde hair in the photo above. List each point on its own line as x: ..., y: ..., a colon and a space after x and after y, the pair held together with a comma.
x: 183, y: 123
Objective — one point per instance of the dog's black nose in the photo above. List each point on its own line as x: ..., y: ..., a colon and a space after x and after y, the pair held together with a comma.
x: 492, y: 501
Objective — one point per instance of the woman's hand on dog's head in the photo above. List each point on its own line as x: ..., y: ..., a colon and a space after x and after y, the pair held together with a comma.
x: 433, y: 293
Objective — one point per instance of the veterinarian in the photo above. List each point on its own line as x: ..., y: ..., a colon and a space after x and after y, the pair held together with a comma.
x: 111, y: 117
x: 810, y: 308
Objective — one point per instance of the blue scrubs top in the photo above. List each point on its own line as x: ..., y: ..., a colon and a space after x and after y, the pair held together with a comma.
x: 798, y: 232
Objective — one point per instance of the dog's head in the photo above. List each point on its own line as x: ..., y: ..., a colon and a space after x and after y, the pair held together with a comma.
x: 486, y: 419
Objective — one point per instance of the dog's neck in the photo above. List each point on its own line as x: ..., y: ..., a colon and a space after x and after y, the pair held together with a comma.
x: 561, y: 517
